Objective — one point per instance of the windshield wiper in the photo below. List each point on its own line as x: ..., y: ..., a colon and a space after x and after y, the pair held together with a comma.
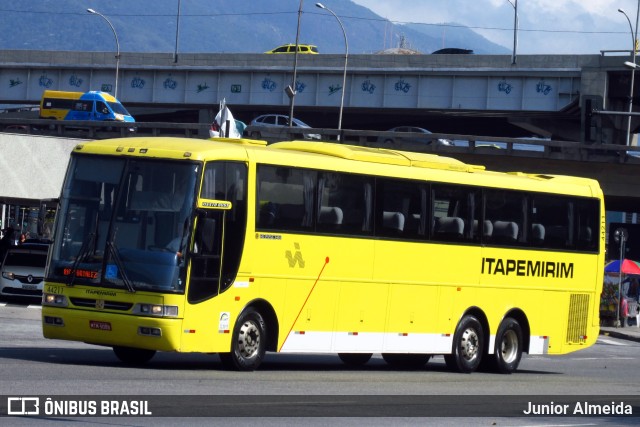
x: 111, y: 247
x: 82, y: 255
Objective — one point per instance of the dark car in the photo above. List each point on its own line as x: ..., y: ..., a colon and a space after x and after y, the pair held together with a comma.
x: 23, y: 270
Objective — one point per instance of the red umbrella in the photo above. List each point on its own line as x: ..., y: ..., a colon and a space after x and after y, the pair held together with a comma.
x: 628, y: 267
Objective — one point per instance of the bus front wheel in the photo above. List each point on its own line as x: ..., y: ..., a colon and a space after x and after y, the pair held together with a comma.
x: 508, y: 350
x: 133, y: 356
x: 468, y: 342
x: 248, y: 343
x: 355, y: 359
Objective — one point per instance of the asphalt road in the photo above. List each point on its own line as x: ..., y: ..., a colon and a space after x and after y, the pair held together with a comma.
x: 33, y: 366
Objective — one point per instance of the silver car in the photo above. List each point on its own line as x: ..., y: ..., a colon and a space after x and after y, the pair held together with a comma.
x: 422, y: 139
x: 23, y: 271
x: 269, y: 122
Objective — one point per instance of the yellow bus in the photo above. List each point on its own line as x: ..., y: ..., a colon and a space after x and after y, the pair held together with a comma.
x: 237, y: 247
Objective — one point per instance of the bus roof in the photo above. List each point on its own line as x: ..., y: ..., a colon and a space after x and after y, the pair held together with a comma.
x: 343, y: 157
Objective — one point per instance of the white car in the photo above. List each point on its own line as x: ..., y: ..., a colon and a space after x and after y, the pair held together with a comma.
x: 23, y: 271
x: 268, y: 122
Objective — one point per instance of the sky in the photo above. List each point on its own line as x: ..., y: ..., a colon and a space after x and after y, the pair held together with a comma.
x: 545, y: 26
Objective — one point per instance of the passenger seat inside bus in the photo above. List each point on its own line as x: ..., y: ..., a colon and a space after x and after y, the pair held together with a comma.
x: 393, y: 221
x: 448, y: 227
x: 330, y: 215
x: 537, y: 234
x: 505, y: 232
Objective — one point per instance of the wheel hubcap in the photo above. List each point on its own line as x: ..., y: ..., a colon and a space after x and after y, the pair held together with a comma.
x: 469, y: 344
x: 509, y: 347
x: 249, y: 340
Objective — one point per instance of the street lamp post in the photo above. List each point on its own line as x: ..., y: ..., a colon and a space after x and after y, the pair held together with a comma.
x: 634, y: 36
x: 514, y: 3
x: 292, y: 90
x: 93, y: 12
x: 175, y: 52
x: 346, y: 57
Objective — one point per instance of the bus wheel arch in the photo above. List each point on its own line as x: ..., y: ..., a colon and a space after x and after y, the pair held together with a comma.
x: 271, y: 322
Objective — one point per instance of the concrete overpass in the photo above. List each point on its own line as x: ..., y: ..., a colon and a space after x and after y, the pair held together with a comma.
x: 473, y: 94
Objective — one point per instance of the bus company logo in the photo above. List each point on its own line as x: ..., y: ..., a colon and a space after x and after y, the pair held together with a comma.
x: 522, y: 267
x: 295, y: 258
x: 23, y: 406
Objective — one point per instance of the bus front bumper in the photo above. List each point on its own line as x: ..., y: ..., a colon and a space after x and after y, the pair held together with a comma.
x: 110, y: 329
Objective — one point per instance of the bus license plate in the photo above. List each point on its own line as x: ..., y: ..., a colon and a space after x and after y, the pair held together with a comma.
x: 103, y: 326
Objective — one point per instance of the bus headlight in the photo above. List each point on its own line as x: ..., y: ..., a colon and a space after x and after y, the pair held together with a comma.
x: 54, y: 300
x: 158, y: 310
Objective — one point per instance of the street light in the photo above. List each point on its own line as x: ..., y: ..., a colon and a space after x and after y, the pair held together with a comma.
x: 346, y: 56
x: 292, y: 90
x: 175, y: 52
x: 514, y: 3
x: 634, y: 37
x: 93, y: 12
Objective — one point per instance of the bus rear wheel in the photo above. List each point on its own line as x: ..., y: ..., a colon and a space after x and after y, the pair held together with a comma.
x: 508, y: 347
x: 468, y: 342
x: 355, y: 359
x: 406, y: 361
x: 133, y: 356
x: 248, y: 343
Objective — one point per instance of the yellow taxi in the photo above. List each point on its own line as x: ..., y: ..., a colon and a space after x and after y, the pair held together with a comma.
x: 291, y: 48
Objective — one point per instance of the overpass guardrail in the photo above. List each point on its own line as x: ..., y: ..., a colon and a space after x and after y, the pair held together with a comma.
x: 462, y: 144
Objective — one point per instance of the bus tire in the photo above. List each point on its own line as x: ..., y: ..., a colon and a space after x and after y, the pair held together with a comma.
x: 248, y: 343
x: 508, y: 347
x: 133, y: 356
x: 355, y: 359
x: 468, y: 342
x: 406, y: 361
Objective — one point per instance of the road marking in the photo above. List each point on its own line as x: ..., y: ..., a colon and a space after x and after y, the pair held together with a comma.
x: 610, y: 342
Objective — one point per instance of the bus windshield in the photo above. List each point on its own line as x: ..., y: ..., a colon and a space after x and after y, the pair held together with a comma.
x: 124, y: 223
x: 118, y: 108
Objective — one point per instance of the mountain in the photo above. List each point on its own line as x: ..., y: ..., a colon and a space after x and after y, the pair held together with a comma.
x: 207, y: 26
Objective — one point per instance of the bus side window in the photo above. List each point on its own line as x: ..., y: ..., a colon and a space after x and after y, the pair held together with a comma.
x: 455, y: 212
x: 353, y: 195
x: 285, y: 198
x: 399, y: 208
x: 101, y: 107
x: 551, y: 215
x: 507, y: 211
